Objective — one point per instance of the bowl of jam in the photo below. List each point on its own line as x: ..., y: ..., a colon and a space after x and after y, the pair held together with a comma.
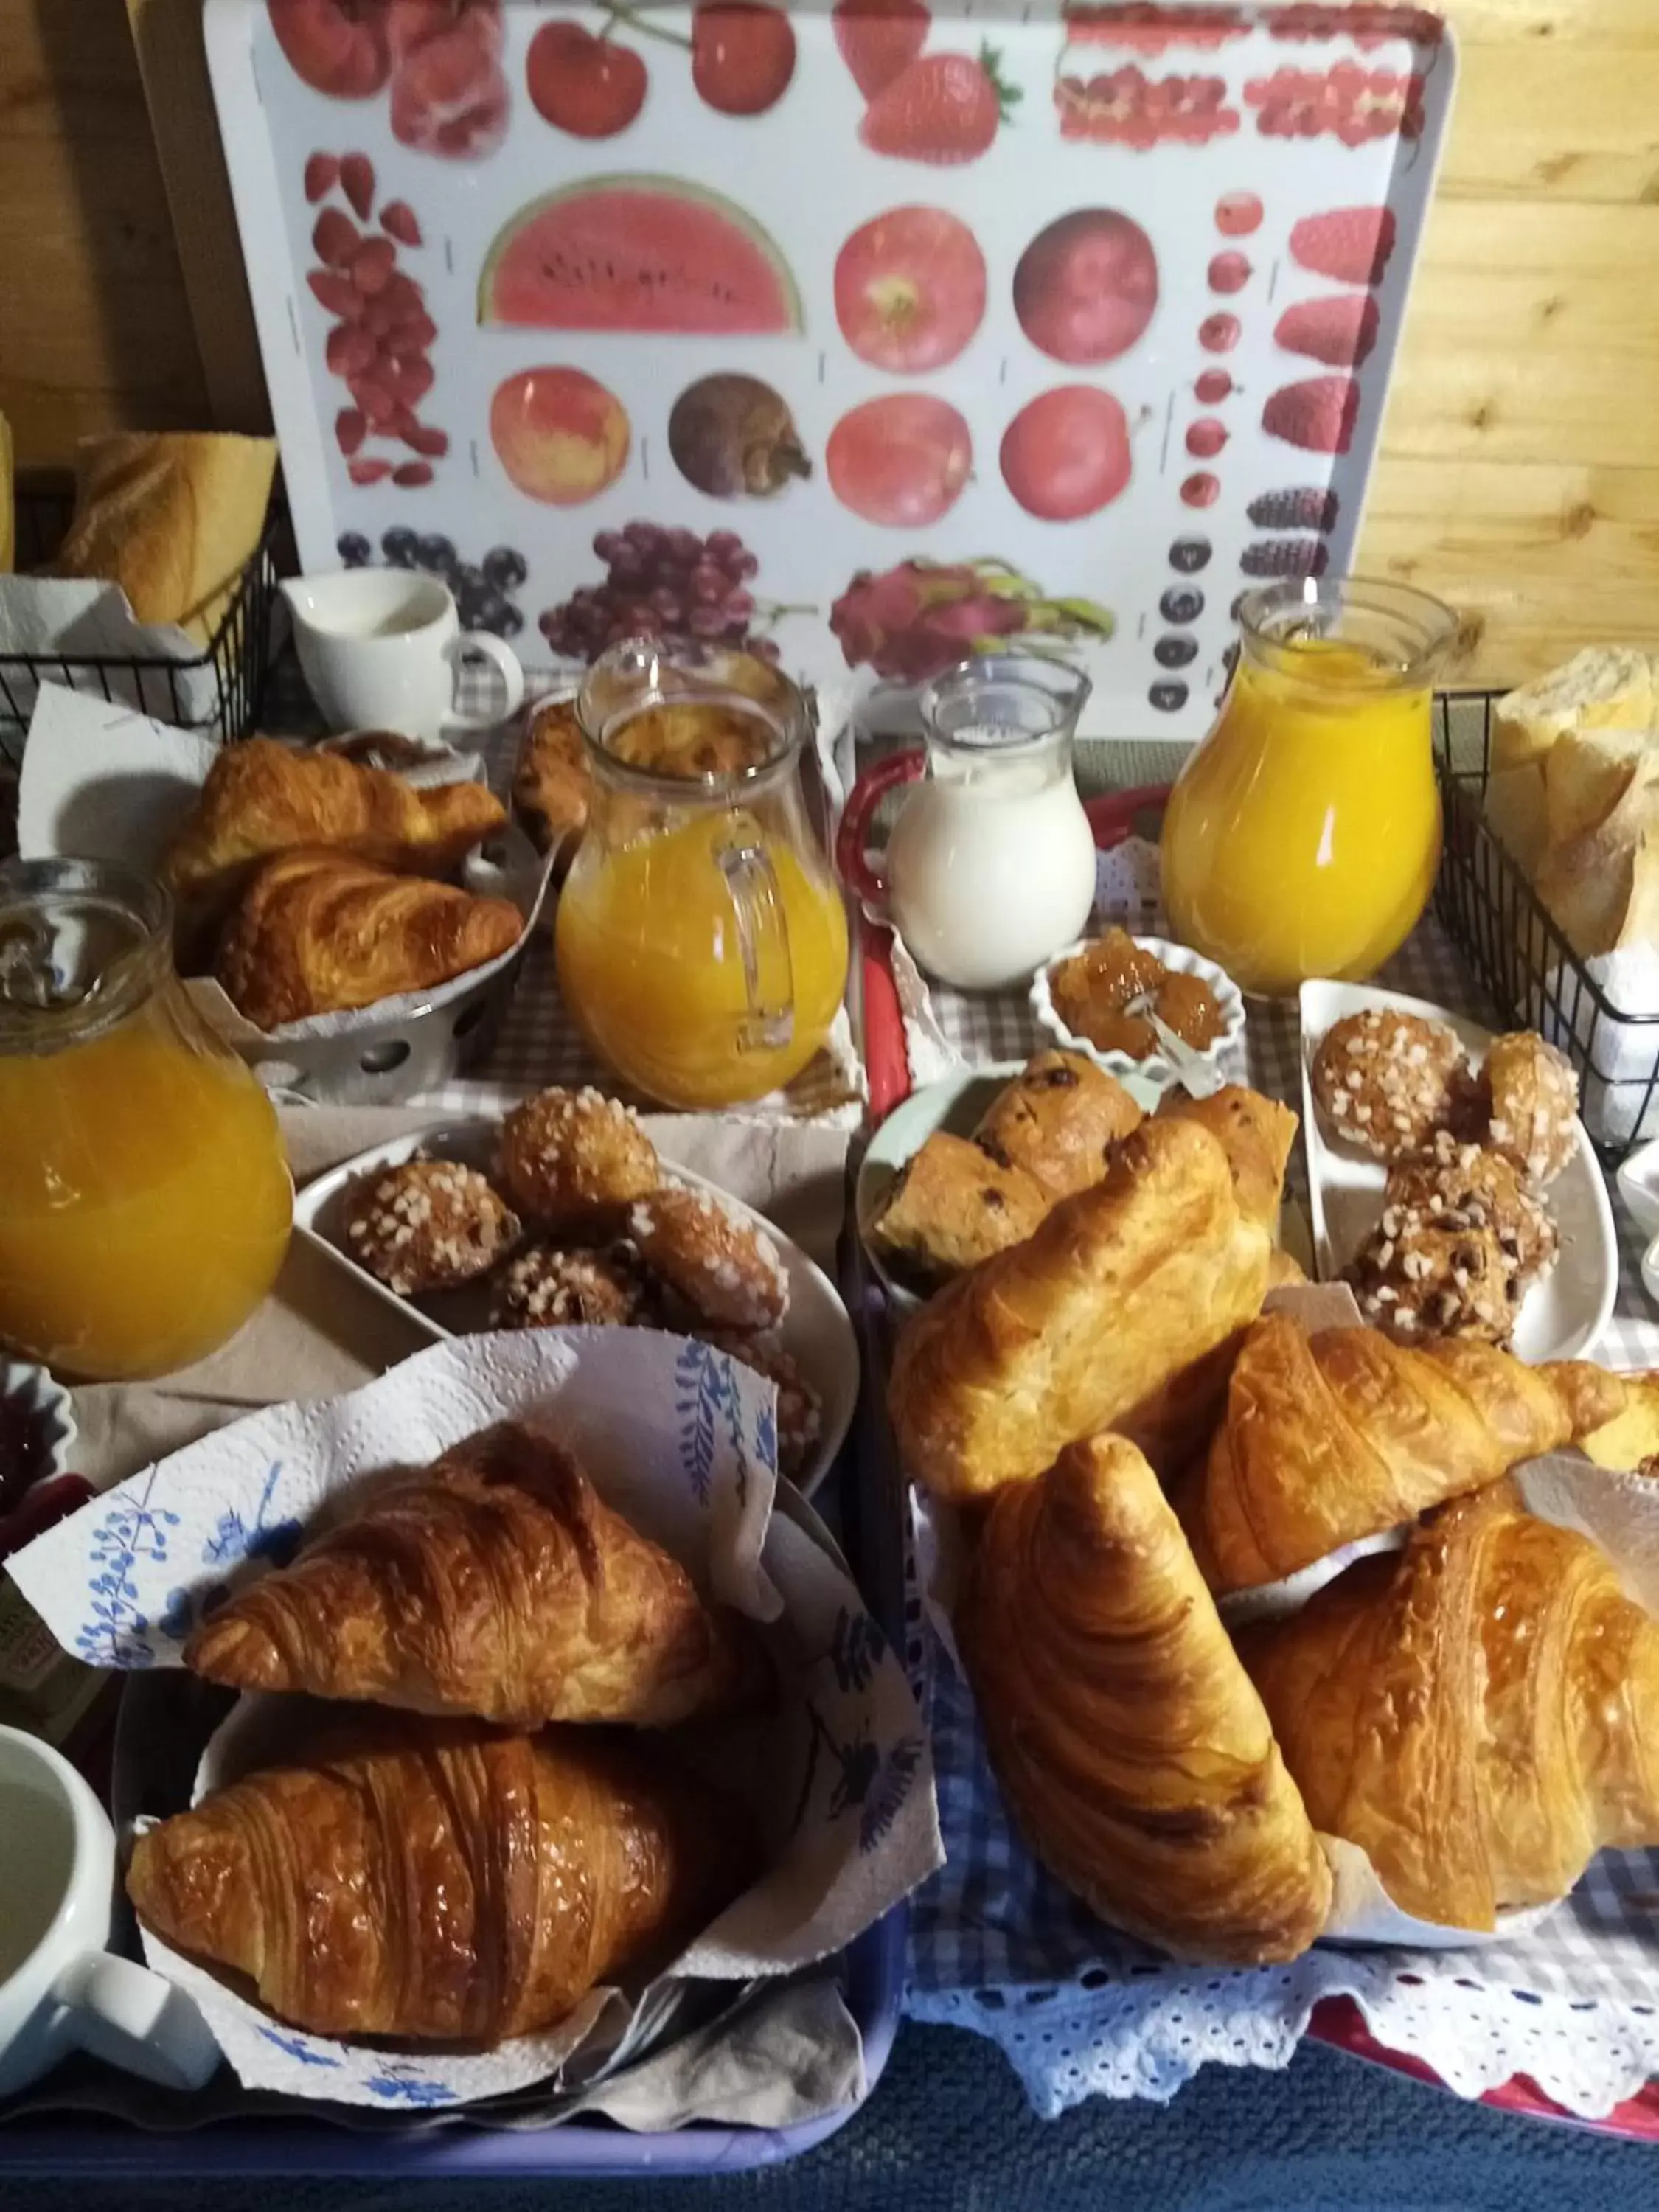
x: 1098, y: 997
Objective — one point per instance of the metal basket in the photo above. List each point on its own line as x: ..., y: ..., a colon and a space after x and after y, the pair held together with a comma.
x: 1518, y: 952
x: 236, y: 657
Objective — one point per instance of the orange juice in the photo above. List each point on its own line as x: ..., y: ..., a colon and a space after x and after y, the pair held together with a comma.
x: 651, y: 960
x: 144, y: 1199
x: 1303, y: 837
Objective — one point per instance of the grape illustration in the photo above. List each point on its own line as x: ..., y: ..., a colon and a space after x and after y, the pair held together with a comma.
x: 665, y: 583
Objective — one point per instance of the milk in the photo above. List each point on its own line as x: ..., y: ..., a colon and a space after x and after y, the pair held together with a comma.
x: 990, y: 865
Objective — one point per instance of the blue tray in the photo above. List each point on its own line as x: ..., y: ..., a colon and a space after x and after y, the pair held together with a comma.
x: 82, y: 2145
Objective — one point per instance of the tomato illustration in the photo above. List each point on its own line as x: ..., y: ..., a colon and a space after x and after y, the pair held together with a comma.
x: 901, y: 460
x: 1066, y: 454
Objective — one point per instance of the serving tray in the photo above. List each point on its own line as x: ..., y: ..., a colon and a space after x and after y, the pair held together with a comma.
x: 1091, y: 310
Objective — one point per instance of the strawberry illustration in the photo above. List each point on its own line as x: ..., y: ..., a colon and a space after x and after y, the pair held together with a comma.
x: 943, y: 108
x: 1341, y: 331
x: 1351, y: 246
x: 1317, y: 415
x: 879, y: 38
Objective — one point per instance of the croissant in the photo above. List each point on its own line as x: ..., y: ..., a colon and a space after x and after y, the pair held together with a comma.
x: 317, y: 934
x: 262, y: 796
x: 436, y: 1879
x: 1122, y: 1288
x: 1479, y: 1713
x: 1343, y: 1434
x: 494, y: 1582
x: 1132, y: 1751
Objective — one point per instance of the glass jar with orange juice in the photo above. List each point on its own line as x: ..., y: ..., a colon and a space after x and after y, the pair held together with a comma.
x: 1303, y: 837
x: 700, y: 938
x: 145, y: 1201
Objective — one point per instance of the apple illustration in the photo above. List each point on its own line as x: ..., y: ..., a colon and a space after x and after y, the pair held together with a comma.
x: 1066, y: 454
x: 910, y: 289
x: 1085, y: 288
x: 901, y: 460
x: 335, y: 46
x: 560, y: 435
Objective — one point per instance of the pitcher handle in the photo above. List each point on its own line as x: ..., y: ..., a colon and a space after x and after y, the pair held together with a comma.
x: 856, y: 872
x: 763, y: 944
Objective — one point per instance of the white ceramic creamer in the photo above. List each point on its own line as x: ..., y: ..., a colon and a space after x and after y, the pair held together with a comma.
x: 990, y: 867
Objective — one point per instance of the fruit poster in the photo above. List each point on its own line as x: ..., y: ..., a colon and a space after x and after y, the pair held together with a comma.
x: 869, y: 335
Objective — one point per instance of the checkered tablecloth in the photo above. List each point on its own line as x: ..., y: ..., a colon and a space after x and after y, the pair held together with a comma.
x: 1000, y: 1947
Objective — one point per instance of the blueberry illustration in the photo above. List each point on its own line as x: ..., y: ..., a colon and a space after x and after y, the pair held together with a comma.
x: 512, y: 621
x: 355, y: 549
x: 468, y: 580
x: 399, y: 546
x: 505, y: 568
x: 1179, y: 606
x: 1168, y: 698
x: 491, y: 609
x: 1175, y: 650
x: 1189, y: 555
x: 435, y: 553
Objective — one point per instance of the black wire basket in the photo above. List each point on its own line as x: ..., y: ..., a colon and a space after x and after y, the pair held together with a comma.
x: 217, y: 693
x: 1518, y: 951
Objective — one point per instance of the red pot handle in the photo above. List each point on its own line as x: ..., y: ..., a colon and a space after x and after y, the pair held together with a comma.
x: 871, y: 787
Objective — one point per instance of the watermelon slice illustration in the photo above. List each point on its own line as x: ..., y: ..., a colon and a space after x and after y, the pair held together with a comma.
x: 637, y: 253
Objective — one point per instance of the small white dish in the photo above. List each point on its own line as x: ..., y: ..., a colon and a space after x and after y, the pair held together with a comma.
x: 49, y: 1403
x: 1561, y: 1317
x: 1155, y: 1070
x: 1639, y: 1186
x: 816, y: 1333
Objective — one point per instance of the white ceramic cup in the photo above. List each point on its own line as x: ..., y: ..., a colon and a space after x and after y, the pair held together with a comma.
x: 60, y: 1989
x: 381, y: 649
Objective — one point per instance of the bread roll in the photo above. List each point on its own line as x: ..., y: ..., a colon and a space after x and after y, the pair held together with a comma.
x: 173, y: 518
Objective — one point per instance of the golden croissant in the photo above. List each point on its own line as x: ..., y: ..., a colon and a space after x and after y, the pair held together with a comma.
x: 495, y: 1581
x: 261, y: 796
x: 1479, y: 1713
x: 1121, y: 1288
x: 1344, y: 1434
x: 1132, y: 1749
x: 317, y: 933
x: 437, y: 1879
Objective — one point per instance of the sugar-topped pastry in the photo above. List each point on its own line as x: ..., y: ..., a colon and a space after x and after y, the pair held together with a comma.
x: 799, y: 1416
x: 574, y: 1159
x: 1460, y: 1240
x: 549, y: 1285
x: 1529, y: 1092
x: 428, y: 1225
x: 728, y: 1271
x: 1387, y: 1081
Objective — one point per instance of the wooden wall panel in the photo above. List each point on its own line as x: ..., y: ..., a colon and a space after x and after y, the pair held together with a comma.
x: 94, y: 327
x: 1519, y: 476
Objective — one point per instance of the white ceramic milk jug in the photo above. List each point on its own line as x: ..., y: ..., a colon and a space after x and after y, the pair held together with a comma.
x: 990, y: 868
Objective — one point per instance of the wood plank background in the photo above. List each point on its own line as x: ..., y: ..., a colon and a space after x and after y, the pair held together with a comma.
x: 1520, y: 468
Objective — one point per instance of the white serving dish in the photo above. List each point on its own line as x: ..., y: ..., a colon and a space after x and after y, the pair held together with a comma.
x: 816, y: 1333
x: 958, y: 1103
x: 1156, y: 1071
x: 1561, y: 1317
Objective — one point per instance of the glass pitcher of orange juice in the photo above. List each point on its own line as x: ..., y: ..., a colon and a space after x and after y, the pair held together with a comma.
x: 700, y: 938
x: 145, y: 1201
x: 1303, y: 837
